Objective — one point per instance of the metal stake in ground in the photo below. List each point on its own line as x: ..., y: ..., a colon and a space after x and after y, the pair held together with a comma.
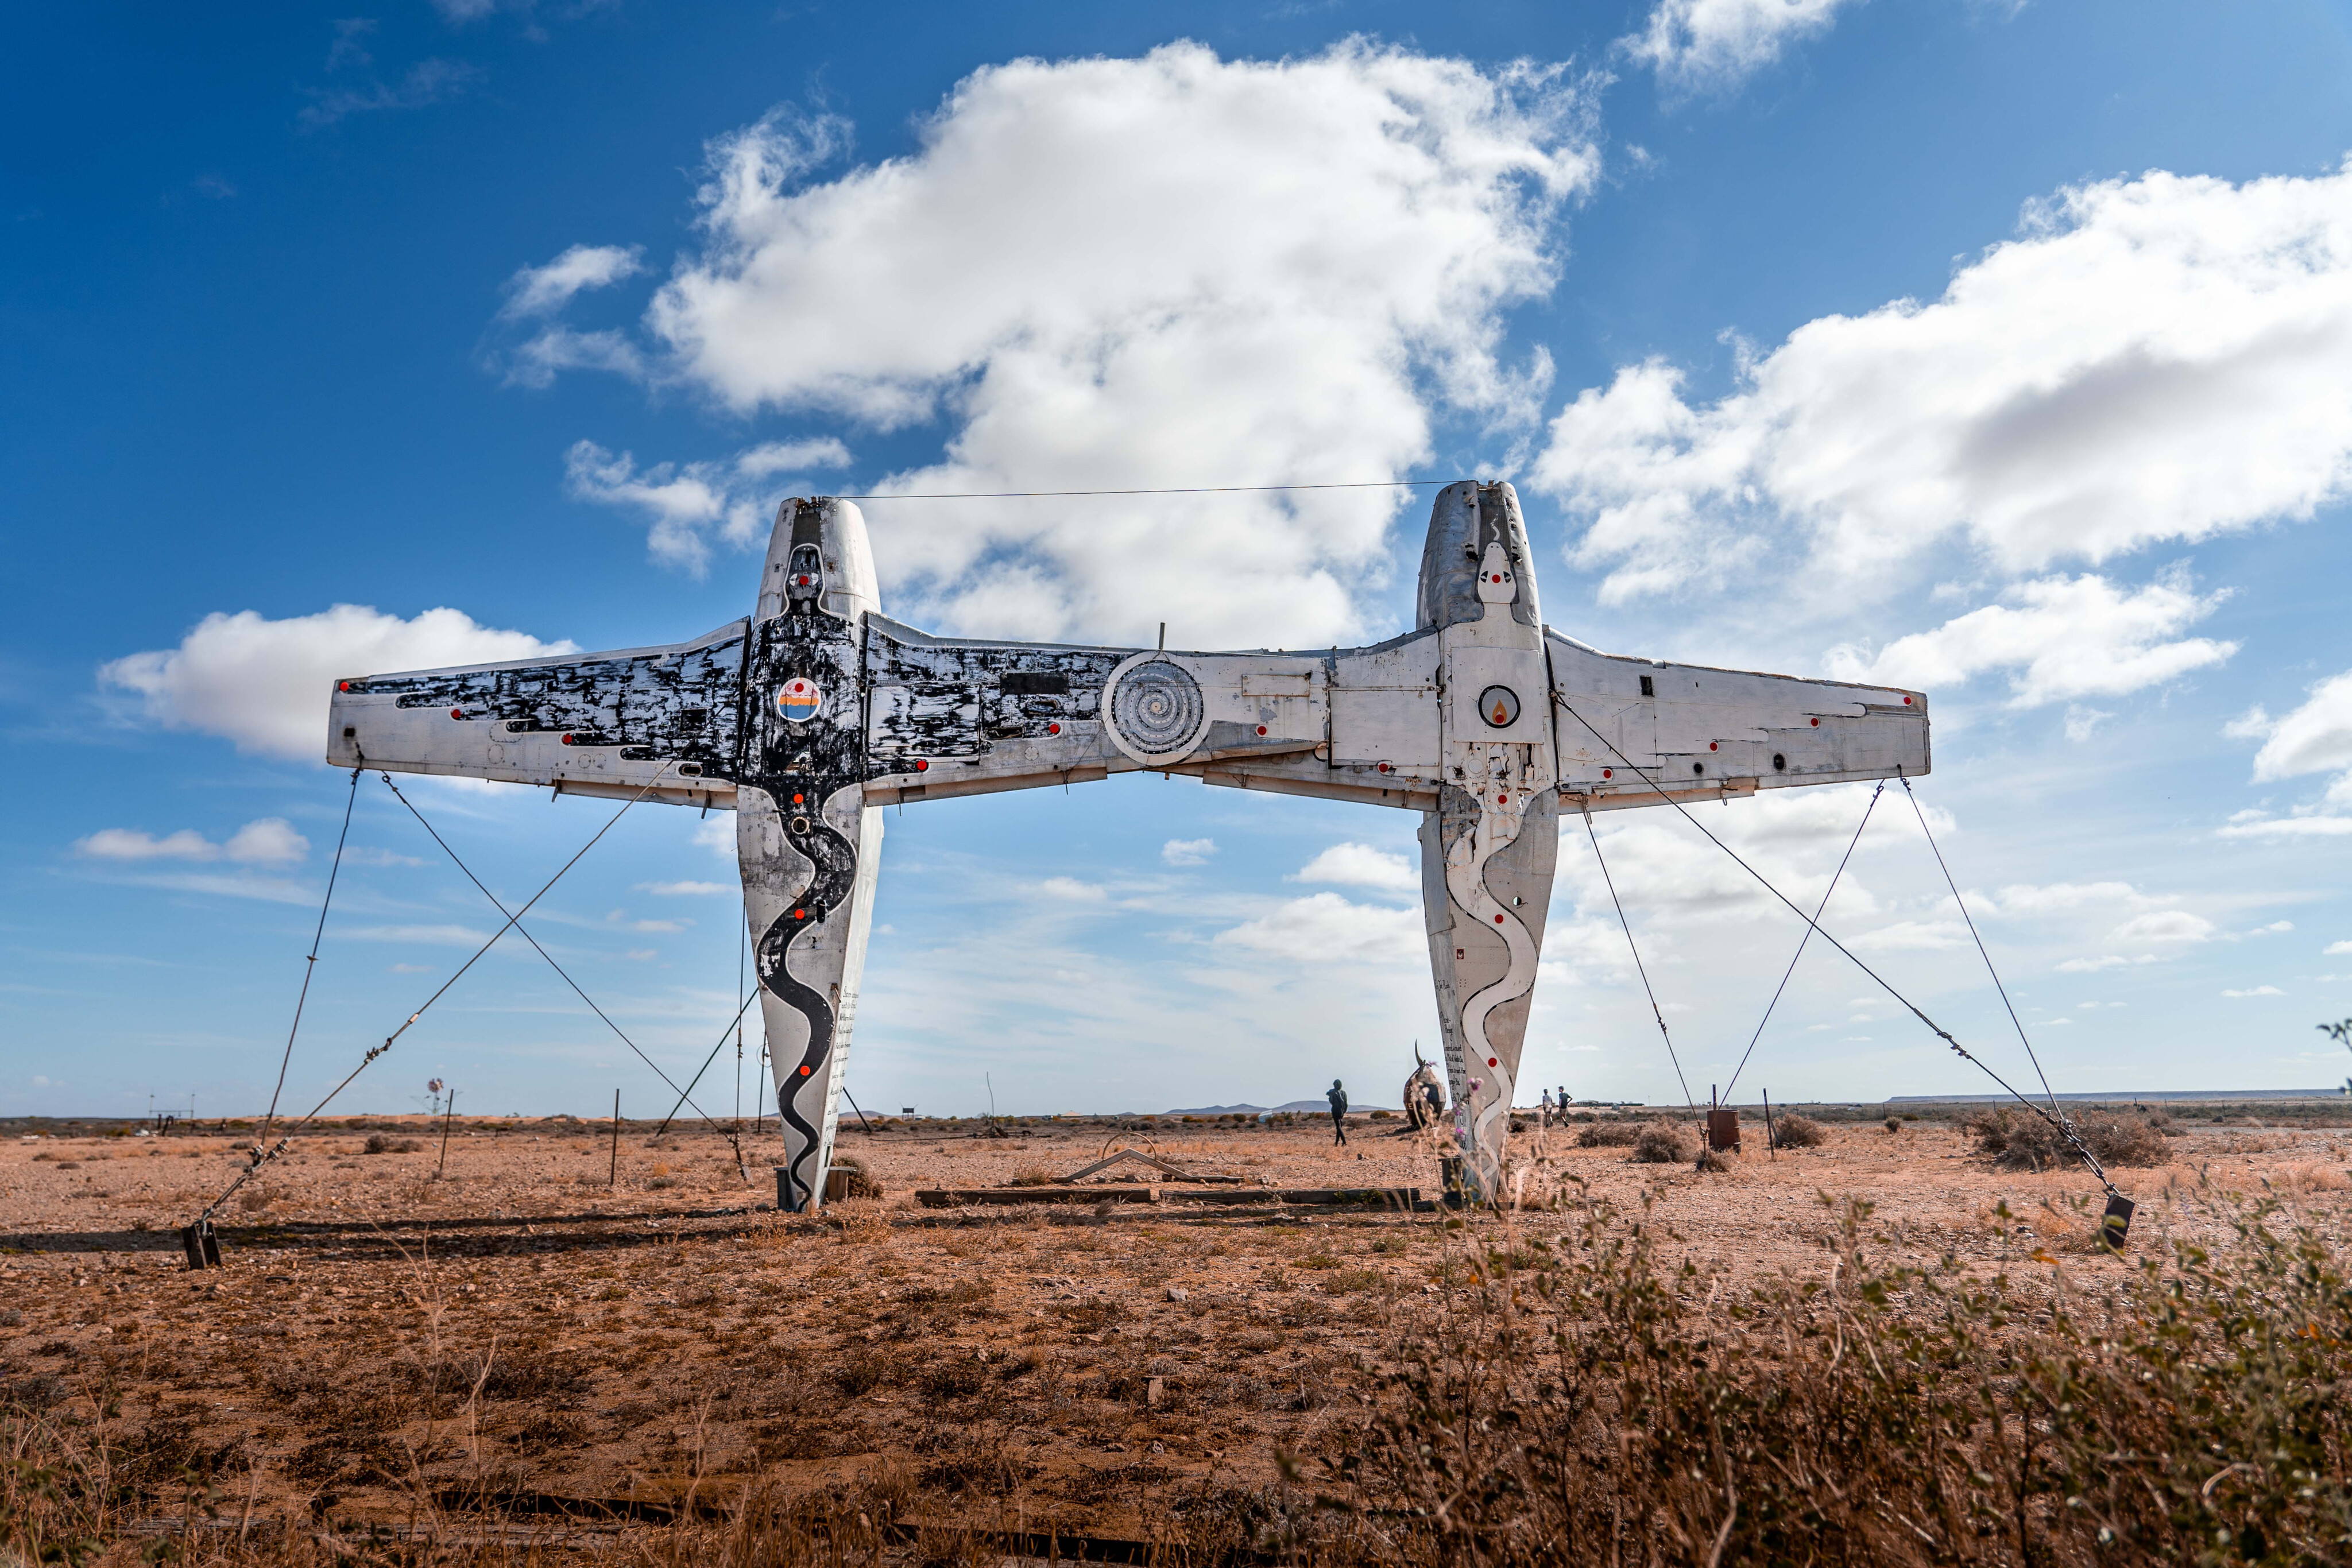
x: 613, y: 1178
x: 448, y: 1109
x: 1771, y: 1140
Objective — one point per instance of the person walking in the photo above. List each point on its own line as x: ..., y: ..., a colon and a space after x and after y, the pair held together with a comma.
x: 1338, y: 1098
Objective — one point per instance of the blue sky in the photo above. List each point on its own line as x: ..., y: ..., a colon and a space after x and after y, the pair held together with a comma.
x: 1998, y: 349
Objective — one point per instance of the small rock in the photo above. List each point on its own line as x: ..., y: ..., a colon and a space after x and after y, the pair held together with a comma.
x: 1158, y: 1449
x: 1154, y: 1390
x: 1178, y: 1293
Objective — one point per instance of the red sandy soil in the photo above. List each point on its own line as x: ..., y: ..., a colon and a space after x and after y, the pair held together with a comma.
x: 377, y: 1332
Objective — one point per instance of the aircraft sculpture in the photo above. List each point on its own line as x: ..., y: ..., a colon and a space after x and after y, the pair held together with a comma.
x: 817, y: 711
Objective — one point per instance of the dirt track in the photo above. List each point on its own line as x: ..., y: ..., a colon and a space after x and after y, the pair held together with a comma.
x: 518, y: 1326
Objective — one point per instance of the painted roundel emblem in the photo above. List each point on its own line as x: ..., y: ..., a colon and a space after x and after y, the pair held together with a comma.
x: 1500, y: 706
x: 1156, y: 708
x: 798, y: 699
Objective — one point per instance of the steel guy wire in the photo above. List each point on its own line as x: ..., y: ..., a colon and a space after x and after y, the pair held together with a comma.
x: 260, y: 1156
x: 2066, y: 1129
x: 1880, y: 789
x: 1655, y: 1011
x: 1987, y: 957
x: 524, y: 932
x: 311, y: 964
x: 706, y: 1060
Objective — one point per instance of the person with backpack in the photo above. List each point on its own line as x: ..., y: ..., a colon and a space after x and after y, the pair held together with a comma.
x: 1338, y: 1098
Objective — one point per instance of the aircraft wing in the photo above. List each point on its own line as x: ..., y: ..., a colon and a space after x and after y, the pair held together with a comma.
x: 1701, y: 733
x: 948, y: 718
x: 594, y: 723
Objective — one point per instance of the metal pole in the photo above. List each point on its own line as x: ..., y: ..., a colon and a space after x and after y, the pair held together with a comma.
x: 613, y: 1178
x: 446, y: 1111
x: 1769, y: 1140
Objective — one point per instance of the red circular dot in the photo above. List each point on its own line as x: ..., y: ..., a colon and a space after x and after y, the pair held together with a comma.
x: 457, y: 713
x: 804, y: 1071
x: 567, y: 738
x: 1609, y: 773
x: 922, y: 766
x: 1907, y: 702
x: 796, y: 800
x: 1502, y: 800
x: 1492, y: 1062
x: 1710, y: 745
x: 1498, y: 577
x: 1499, y: 920
x: 1260, y: 729
x: 1052, y: 729
x: 803, y: 580
x: 800, y: 914
x: 1817, y: 724
x: 343, y: 686
x: 1385, y: 769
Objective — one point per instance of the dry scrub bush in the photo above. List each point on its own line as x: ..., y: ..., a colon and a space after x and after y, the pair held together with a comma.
x: 2307, y: 1178
x: 1798, y: 1132
x: 377, y: 1144
x: 1661, y: 1143
x: 1585, y: 1408
x: 1608, y: 1135
x: 2022, y: 1141
x: 856, y: 1181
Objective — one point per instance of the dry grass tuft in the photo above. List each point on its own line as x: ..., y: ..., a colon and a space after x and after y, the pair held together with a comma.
x: 1663, y: 1143
x: 1790, y: 1132
x: 377, y: 1144
x: 2022, y: 1141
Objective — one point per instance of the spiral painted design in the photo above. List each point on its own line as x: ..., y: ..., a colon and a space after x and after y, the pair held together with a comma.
x: 1157, y: 706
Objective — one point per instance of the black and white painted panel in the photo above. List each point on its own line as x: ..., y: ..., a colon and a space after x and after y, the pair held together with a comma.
x: 616, y: 720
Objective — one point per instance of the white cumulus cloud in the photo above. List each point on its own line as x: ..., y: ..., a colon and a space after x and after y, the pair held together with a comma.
x: 2059, y: 638
x: 2257, y: 991
x: 264, y: 683
x: 1709, y: 45
x: 1324, y: 927
x: 1172, y: 270
x: 271, y: 840
x: 1362, y: 866
x: 683, y: 504
x: 1188, y: 851
x: 2154, y: 359
x: 543, y: 290
x: 2316, y: 737
x: 2164, y: 925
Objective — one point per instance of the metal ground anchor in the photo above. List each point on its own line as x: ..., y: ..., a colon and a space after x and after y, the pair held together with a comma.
x: 202, y: 1244
x: 2116, y: 1224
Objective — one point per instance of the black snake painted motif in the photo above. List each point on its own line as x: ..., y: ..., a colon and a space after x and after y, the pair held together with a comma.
x: 835, y: 861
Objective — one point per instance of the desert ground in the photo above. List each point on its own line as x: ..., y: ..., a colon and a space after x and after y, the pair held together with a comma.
x: 390, y: 1332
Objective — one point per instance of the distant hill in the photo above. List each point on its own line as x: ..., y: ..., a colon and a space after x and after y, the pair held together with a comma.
x: 1322, y: 1105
